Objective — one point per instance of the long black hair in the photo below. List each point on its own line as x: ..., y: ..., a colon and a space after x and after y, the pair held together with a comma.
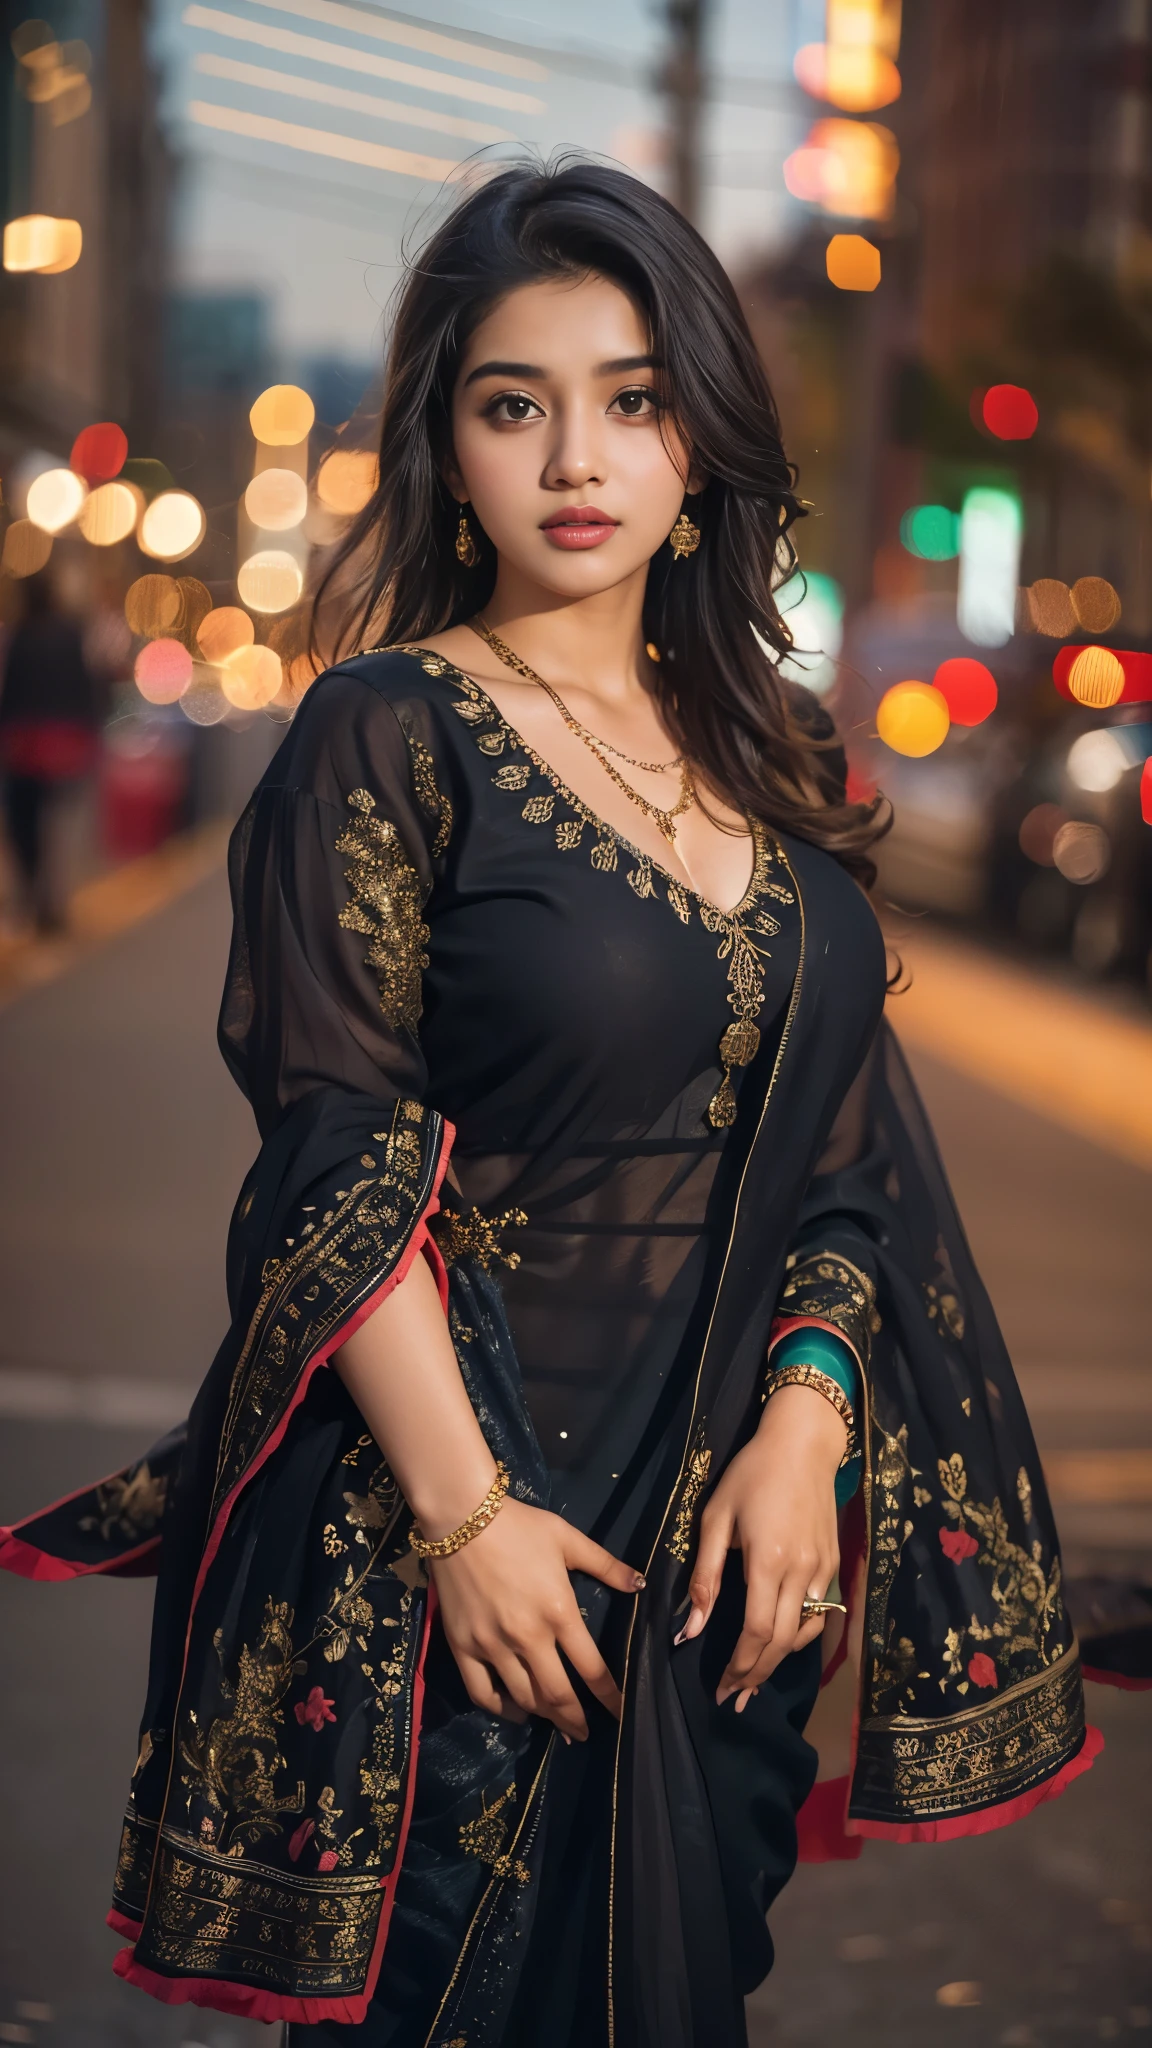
x: 395, y: 576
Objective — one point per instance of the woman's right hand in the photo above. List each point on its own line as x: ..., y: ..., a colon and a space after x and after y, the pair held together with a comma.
x: 509, y: 1609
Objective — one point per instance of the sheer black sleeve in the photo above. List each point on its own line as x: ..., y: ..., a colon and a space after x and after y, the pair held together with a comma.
x: 330, y: 868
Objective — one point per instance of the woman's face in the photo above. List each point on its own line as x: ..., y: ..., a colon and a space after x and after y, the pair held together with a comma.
x: 561, y: 444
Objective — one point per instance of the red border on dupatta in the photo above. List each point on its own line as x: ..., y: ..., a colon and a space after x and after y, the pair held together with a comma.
x: 828, y: 1835
x: 238, y: 2000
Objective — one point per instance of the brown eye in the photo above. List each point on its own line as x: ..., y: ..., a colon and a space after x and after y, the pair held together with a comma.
x: 511, y: 405
x: 635, y: 404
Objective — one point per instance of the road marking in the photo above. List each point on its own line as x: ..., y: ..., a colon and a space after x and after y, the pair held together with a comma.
x: 1066, y: 1055
x: 101, y: 909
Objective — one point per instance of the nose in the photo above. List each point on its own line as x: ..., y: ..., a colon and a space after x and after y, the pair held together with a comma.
x: 576, y: 457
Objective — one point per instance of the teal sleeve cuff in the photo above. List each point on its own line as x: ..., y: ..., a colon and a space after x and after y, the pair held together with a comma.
x: 813, y: 1346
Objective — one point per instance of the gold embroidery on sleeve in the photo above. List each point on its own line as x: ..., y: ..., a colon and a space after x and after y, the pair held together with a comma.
x: 385, y: 908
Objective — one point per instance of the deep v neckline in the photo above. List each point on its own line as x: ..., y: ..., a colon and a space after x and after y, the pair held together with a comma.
x: 761, y: 854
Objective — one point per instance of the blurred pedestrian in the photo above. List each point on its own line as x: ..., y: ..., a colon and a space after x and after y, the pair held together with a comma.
x: 49, y: 718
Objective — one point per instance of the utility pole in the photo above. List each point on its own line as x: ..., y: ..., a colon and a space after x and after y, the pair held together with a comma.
x: 682, y: 82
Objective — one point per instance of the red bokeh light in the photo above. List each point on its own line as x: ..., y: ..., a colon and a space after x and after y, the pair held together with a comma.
x: 1146, y: 791
x: 1137, y: 674
x: 1010, y: 412
x: 968, y: 688
x: 99, y: 452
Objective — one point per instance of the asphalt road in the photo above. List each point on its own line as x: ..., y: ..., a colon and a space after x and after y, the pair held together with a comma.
x: 124, y: 1144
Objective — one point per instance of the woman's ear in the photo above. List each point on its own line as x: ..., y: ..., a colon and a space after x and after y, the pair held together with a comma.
x: 454, y: 480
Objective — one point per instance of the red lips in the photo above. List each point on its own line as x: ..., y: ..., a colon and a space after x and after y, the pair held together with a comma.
x: 578, y: 526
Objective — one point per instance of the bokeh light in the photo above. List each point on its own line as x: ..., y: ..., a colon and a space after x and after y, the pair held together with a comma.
x: 223, y: 631
x: 276, y: 499
x: 1136, y: 667
x: 110, y: 514
x: 991, y: 523
x: 282, y: 416
x: 42, y: 243
x: 912, y: 718
x: 99, y: 452
x: 846, y: 167
x: 1096, y: 677
x: 55, y: 498
x: 858, y: 80
x: 173, y: 526
x: 852, y: 263
x: 812, y: 607
x: 149, y: 476
x: 163, y: 670
x: 968, y: 689
x: 1038, y: 833
x: 1009, y: 412
x: 204, y: 702
x: 1096, y: 761
x: 931, y: 532
x: 251, y: 677
x: 152, y: 605
x: 1146, y: 791
x: 1081, y: 852
x: 270, y: 581
x: 1095, y: 603
x: 347, y: 479
x: 1050, y: 608
x: 26, y: 548
x: 195, y: 605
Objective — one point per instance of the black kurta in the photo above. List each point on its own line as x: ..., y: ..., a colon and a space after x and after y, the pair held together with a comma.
x: 432, y: 931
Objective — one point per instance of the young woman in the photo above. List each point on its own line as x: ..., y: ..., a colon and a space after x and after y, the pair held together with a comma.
x: 598, y: 1294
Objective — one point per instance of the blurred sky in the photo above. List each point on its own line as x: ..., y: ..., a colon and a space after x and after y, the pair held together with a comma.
x: 321, y: 238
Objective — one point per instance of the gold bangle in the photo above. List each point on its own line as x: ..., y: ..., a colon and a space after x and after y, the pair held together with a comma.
x: 801, y: 1375
x: 479, y: 1519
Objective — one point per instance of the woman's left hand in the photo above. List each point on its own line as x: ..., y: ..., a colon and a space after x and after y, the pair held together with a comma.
x: 776, y: 1502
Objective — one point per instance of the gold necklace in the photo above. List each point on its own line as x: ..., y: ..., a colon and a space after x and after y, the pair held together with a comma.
x: 664, y: 820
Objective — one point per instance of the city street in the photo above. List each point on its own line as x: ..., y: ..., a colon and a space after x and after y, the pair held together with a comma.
x: 125, y: 1142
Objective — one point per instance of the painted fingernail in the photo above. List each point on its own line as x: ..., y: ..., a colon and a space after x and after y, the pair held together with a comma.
x: 567, y: 1738
x: 681, y: 1638
x: 639, y: 1582
x: 742, y: 1699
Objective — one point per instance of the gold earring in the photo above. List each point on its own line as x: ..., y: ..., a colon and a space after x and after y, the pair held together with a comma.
x: 467, y: 552
x: 684, y: 538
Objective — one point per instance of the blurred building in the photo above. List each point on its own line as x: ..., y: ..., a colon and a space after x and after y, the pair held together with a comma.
x: 1013, y: 247
x: 83, y: 145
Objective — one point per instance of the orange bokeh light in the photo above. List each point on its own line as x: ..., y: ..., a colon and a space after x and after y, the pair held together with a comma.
x: 152, y: 605
x: 912, y: 718
x: 857, y: 79
x: 1096, y: 678
x: 224, y: 631
x: 251, y: 677
x: 852, y: 263
x: 347, y: 479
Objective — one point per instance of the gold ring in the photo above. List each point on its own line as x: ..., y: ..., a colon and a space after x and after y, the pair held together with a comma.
x: 810, y: 1607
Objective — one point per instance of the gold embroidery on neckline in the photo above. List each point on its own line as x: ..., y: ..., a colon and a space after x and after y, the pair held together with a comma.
x: 740, y: 930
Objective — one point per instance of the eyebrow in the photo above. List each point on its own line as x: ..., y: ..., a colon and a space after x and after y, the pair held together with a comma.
x: 619, y: 367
